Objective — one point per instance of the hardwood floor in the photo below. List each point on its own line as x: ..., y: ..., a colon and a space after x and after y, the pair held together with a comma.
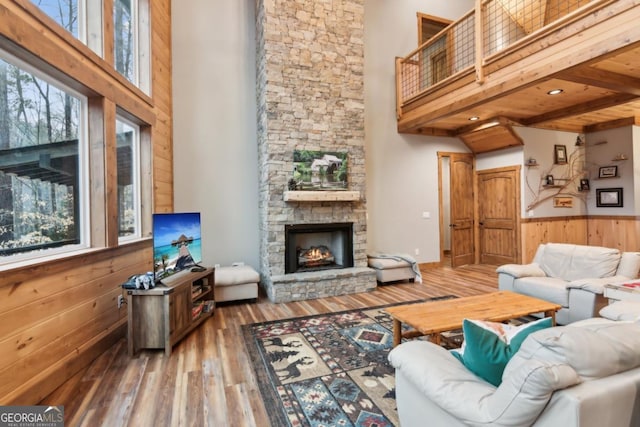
x: 208, y: 380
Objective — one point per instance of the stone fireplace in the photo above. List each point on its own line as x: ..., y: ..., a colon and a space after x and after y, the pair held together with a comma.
x: 310, y: 60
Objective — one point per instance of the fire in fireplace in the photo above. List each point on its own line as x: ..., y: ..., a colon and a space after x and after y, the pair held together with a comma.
x: 316, y: 256
x: 312, y: 247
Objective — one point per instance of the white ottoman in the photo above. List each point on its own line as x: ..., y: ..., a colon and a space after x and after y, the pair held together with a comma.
x: 391, y: 269
x: 234, y: 283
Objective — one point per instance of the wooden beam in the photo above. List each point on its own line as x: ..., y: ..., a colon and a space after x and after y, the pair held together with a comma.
x: 484, y: 124
x: 321, y: 196
x: 601, y: 78
x: 97, y: 163
x: 430, y: 131
x: 111, y: 177
x: 612, y: 124
x: 586, y: 107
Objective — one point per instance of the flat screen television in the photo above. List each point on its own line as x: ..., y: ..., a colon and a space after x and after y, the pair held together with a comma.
x: 176, y: 242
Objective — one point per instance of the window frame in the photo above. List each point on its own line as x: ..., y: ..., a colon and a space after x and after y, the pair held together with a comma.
x: 425, y: 20
x: 84, y: 202
x: 101, y: 99
x: 135, y: 179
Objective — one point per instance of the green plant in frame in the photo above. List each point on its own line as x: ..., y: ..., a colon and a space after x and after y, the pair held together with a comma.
x: 320, y: 170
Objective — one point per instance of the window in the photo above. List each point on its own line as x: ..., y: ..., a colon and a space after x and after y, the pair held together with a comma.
x: 131, y: 32
x: 128, y: 144
x: 42, y: 163
x: 64, y: 12
x: 125, y: 41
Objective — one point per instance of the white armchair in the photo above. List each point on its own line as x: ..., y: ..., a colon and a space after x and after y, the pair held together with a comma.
x: 573, y: 276
x: 582, y: 375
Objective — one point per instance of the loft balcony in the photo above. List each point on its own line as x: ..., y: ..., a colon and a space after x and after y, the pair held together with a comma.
x: 500, y: 61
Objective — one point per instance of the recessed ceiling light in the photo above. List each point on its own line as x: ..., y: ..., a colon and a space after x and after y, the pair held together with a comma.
x: 474, y: 118
x: 555, y: 92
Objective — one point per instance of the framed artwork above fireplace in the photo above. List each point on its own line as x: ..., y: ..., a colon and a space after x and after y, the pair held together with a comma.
x: 319, y: 171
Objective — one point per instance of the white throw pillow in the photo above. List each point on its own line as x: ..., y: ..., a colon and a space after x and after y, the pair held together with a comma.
x: 593, y: 349
x: 629, y: 265
x: 621, y: 310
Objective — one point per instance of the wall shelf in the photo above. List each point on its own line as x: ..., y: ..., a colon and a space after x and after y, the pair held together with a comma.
x: 321, y: 196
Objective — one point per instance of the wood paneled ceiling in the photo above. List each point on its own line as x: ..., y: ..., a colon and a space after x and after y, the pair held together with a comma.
x: 598, y: 93
x: 596, y: 96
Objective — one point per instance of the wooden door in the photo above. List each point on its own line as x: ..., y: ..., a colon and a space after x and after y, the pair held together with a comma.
x: 499, y: 215
x: 179, y: 309
x: 461, y: 208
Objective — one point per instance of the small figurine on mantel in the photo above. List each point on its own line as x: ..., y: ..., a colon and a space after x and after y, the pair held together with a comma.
x: 293, y: 185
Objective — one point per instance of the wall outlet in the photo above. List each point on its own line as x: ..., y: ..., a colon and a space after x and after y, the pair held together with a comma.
x: 120, y: 300
x: 417, y: 251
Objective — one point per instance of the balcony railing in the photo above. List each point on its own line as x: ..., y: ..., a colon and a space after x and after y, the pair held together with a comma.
x: 499, y: 24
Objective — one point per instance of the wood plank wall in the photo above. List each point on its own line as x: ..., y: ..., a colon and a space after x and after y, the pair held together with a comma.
x: 621, y: 232
x: 552, y: 229
x: 56, y: 317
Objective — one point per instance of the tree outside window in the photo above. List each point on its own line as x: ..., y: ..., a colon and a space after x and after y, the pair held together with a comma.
x: 64, y: 12
x: 124, y: 22
x: 40, y: 163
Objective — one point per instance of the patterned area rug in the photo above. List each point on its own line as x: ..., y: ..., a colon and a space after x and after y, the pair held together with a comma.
x: 326, y: 370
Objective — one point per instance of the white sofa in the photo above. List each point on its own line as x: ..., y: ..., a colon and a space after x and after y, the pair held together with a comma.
x: 572, y: 276
x: 583, y: 375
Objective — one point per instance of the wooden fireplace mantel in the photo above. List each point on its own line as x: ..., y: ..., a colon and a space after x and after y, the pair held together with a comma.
x: 321, y: 196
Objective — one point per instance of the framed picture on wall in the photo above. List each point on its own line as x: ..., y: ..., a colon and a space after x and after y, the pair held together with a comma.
x: 609, y: 197
x: 560, y: 154
x: 608, y: 172
x: 563, y: 202
x: 584, y: 185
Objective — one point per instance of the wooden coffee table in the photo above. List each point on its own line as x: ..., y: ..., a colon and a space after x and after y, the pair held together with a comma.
x: 435, y: 317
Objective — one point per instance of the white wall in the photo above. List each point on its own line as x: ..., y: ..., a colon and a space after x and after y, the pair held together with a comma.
x: 618, y: 141
x: 499, y: 159
x: 539, y: 144
x: 402, y: 170
x: 215, y: 148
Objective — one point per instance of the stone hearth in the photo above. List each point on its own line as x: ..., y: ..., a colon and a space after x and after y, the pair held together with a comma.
x: 310, y: 97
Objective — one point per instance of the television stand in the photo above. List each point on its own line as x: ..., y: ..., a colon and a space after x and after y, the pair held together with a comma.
x: 162, y: 316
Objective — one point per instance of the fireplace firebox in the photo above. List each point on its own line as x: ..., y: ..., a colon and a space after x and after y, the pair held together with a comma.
x: 313, y: 247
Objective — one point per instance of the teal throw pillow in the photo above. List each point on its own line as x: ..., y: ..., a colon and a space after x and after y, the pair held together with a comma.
x: 488, y: 346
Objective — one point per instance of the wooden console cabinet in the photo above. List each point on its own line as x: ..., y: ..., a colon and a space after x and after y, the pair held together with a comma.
x: 162, y: 316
